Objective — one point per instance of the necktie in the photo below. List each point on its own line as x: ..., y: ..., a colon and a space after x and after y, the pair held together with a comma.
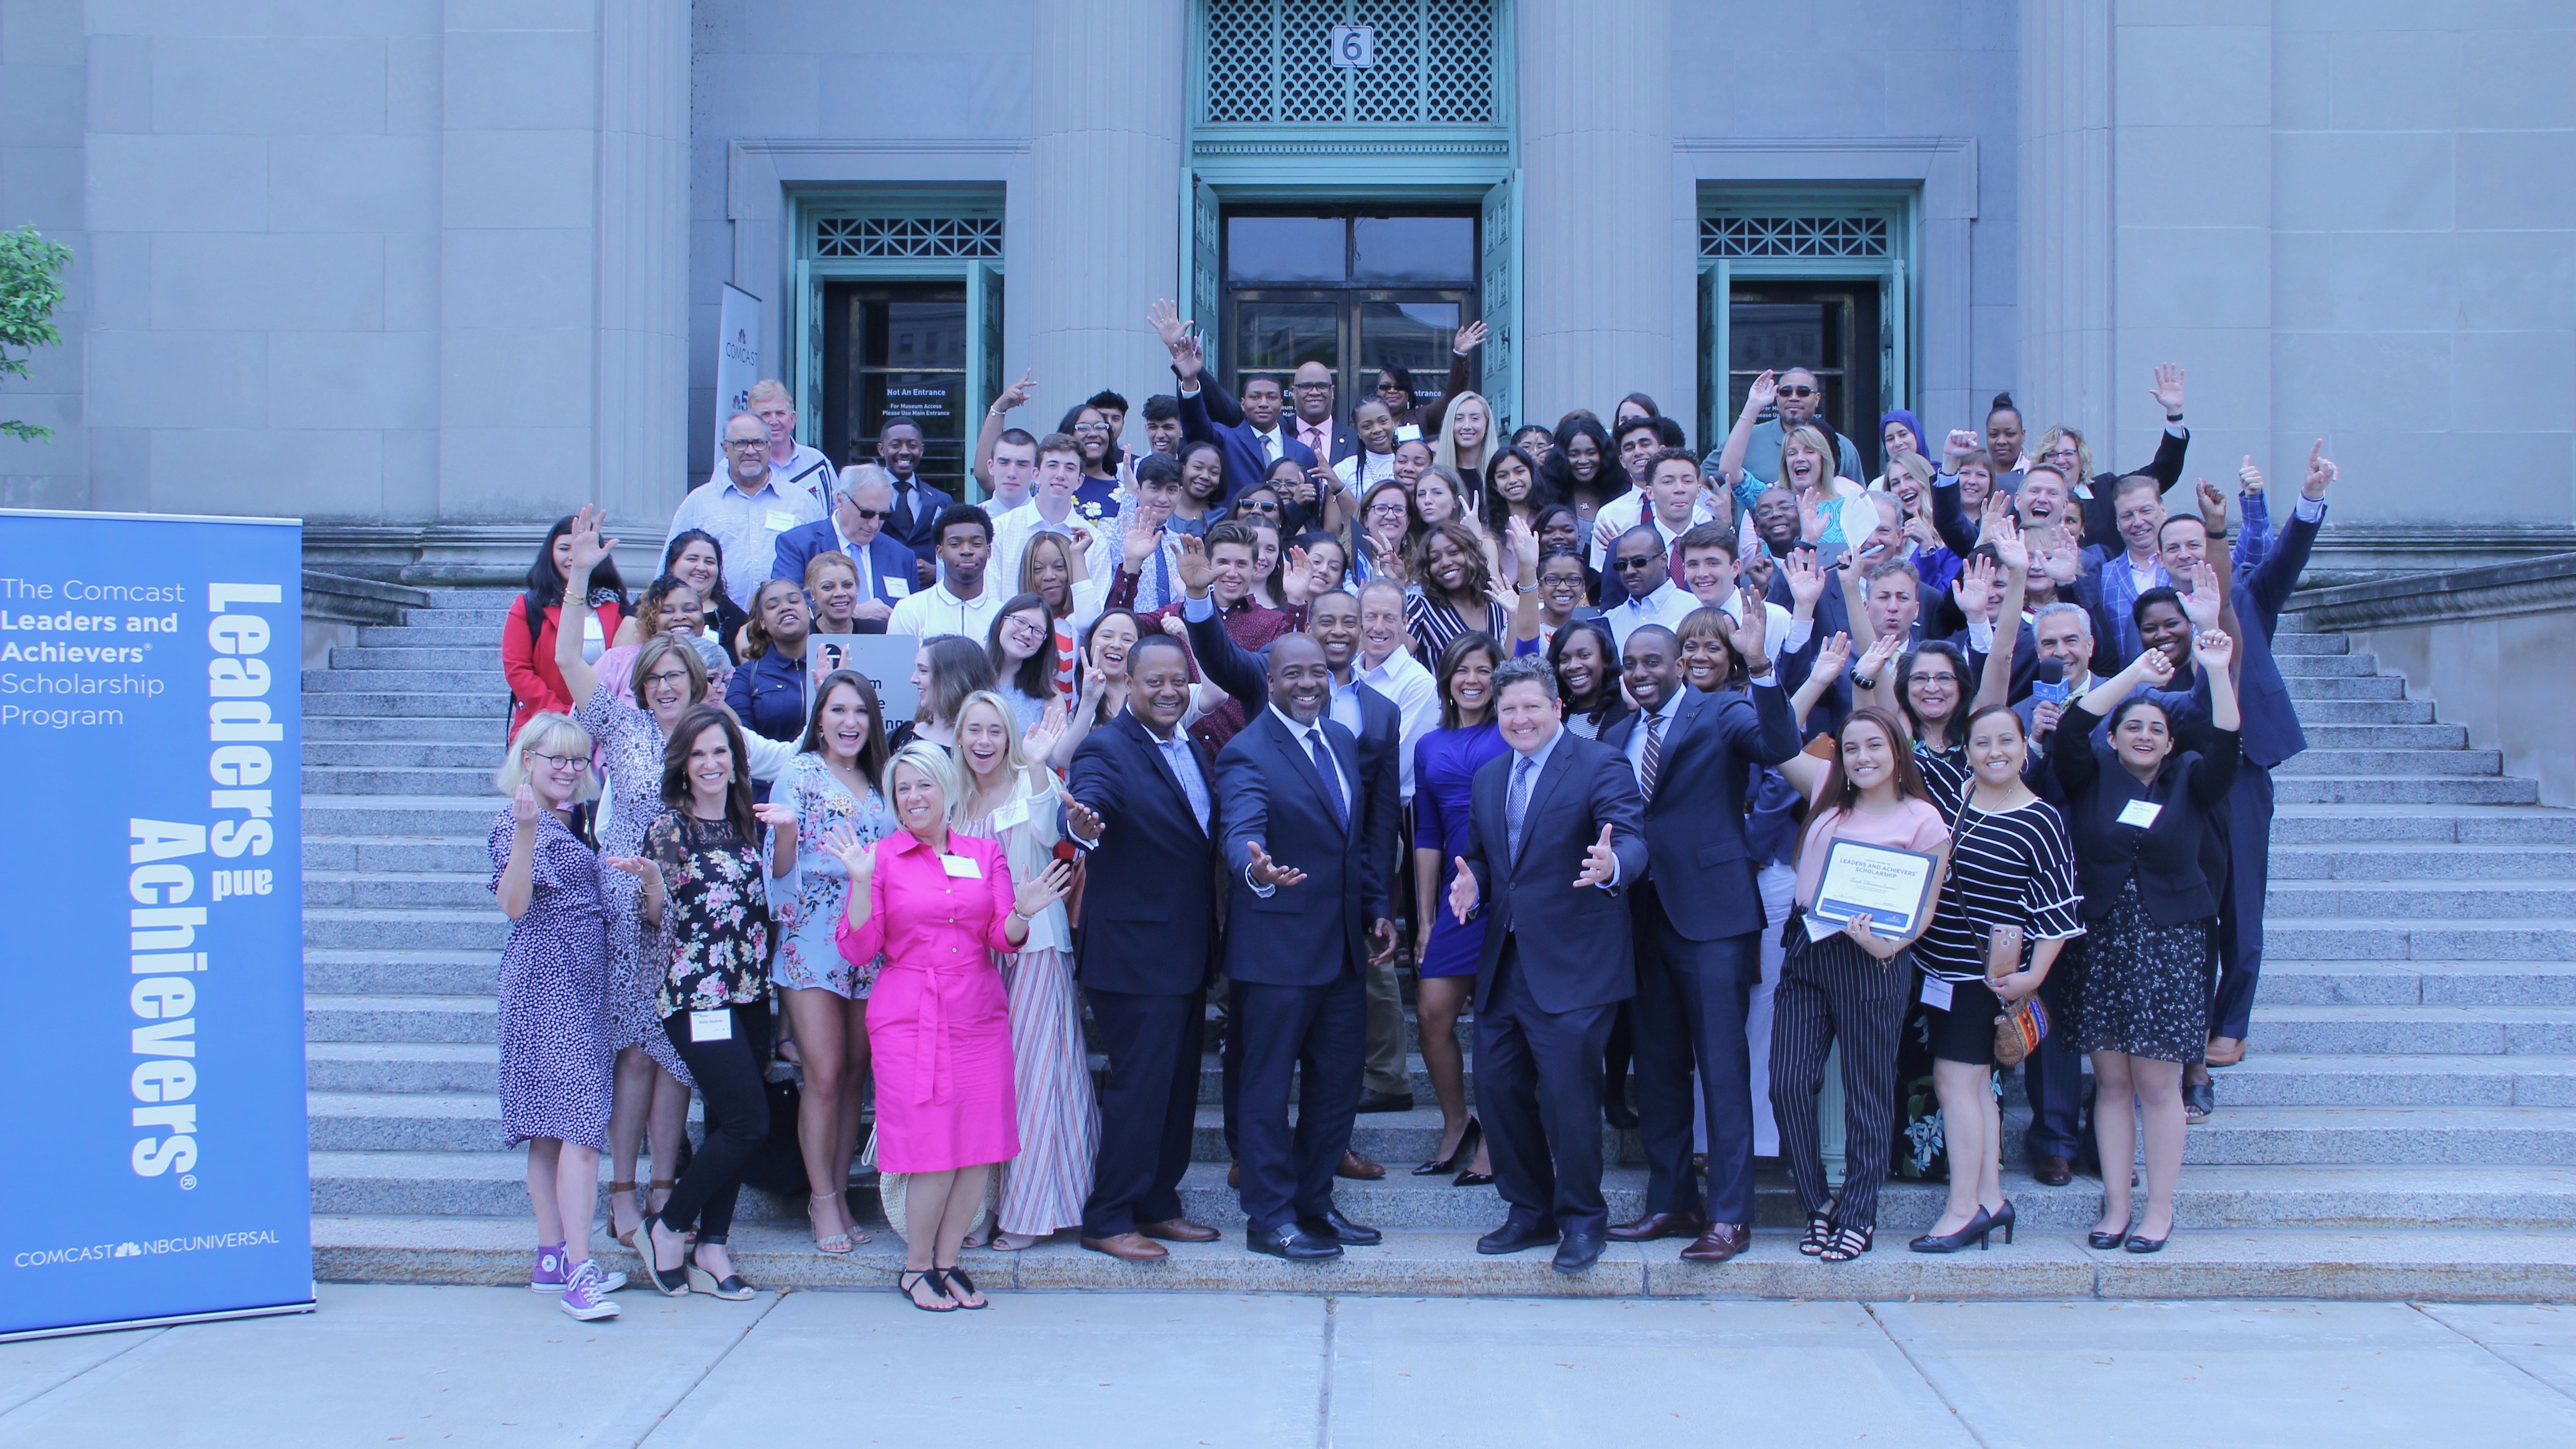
x: 1332, y: 779
x: 1513, y: 807
x: 1270, y: 446
x: 1317, y: 442
x: 903, y: 511
x: 1162, y: 579
x: 1654, y: 756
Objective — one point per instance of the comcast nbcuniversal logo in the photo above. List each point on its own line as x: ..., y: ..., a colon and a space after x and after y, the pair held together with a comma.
x: 143, y: 1248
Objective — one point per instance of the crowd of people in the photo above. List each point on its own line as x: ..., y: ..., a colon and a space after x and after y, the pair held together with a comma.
x: 1576, y: 726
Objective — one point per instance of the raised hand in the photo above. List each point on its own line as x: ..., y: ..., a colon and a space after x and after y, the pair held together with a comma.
x: 587, y: 546
x: 1957, y: 448
x: 2009, y: 545
x: 1266, y: 871
x: 1882, y: 652
x: 1192, y: 565
x: 1806, y: 581
x: 1040, y: 737
x: 1832, y: 656
x: 1462, y: 893
x: 1762, y: 394
x: 2249, y: 479
x: 781, y: 818
x: 1811, y: 519
x: 2212, y: 502
x: 1746, y: 635
x: 1975, y: 587
x: 1050, y: 886
x: 1600, y: 867
x: 2058, y: 558
x: 1141, y: 544
x: 859, y: 860
x: 2168, y: 389
x: 2321, y: 472
x: 1469, y: 338
x: 1017, y: 393
x: 1081, y: 819
x: 2213, y: 650
x: 640, y: 867
x: 1998, y: 506
x: 2202, y: 604
x: 1524, y: 542
x: 523, y: 805
x: 2154, y: 668
x: 1165, y: 317
x: 1173, y: 626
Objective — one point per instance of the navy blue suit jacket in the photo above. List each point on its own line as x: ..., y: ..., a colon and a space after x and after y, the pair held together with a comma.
x: 927, y: 504
x: 887, y: 559
x: 1149, y: 920
x: 1246, y: 675
x: 1695, y: 819
x: 1246, y: 461
x: 1575, y: 948
x: 1302, y: 934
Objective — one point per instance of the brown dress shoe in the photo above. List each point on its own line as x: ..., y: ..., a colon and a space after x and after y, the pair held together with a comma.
x: 1131, y: 1246
x: 1658, y: 1225
x: 2055, y: 1171
x: 1721, y: 1242
x: 1234, y: 1174
x: 1178, y: 1230
x: 2225, y: 1051
x: 1358, y: 1167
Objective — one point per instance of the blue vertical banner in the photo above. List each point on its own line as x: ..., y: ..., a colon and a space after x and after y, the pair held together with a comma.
x: 150, y: 692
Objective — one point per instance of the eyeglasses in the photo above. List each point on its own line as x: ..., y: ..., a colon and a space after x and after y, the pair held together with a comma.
x: 1640, y: 561
x: 871, y: 515
x: 1018, y: 625
x: 1931, y: 679
x: 668, y: 676
x: 574, y: 763
x: 1091, y: 427
x: 1386, y: 510
x: 1251, y: 507
x: 1314, y: 387
x: 746, y: 442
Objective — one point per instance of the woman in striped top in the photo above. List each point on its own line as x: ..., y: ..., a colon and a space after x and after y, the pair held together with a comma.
x: 2009, y: 907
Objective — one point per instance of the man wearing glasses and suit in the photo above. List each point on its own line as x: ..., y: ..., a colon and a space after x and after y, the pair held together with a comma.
x: 862, y: 501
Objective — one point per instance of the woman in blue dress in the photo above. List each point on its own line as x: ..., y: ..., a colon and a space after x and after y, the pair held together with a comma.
x: 1446, y: 953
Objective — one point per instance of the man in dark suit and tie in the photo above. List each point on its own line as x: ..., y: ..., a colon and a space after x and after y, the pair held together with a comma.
x: 917, y: 505
x: 1699, y: 943
x: 1250, y: 446
x: 1142, y: 801
x: 1555, y: 839
x: 862, y: 501
x: 1307, y: 830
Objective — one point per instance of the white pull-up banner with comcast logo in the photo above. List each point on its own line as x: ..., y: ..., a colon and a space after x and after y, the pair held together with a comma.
x: 150, y: 683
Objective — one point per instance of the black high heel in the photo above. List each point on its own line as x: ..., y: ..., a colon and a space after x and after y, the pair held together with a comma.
x: 1465, y: 1152
x: 1976, y: 1227
x: 2105, y: 1242
x: 2003, y: 1219
x: 669, y: 1282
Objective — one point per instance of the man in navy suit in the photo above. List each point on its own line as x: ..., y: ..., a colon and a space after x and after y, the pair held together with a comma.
x: 1142, y: 801
x: 917, y: 505
x: 1250, y: 447
x: 1555, y: 839
x: 1307, y: 830
x: 1699, y: 943
x: 862, y: 501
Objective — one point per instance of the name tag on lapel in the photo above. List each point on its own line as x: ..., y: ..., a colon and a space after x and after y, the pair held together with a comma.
x: 962, y: 867
x: 2140, y: 813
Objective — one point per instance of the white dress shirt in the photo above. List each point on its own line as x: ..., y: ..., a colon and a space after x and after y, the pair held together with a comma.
x: 934, y: 611
x: 746, y: 526
x: 1014, y: 529
x: 1628, y: 510
x: 1666, y: 606
x: 1416, y: 696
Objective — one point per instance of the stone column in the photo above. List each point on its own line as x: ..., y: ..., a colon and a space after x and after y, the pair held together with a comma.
x: 2064, y: 374
x: 1098, y: 238
x: 1602, y: 305
x: 642, y: 343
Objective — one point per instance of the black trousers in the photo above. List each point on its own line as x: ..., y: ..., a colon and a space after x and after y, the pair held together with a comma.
x: 1148, y: 1107
x: 1833, y: 990
x: 732, y: 1084
x: 1689, y: 1011
x: 1538, y: 1092
x: 2053, y: 1076
x: 1319, y: 1036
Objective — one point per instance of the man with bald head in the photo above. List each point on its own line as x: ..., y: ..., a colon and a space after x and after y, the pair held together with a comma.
x: 1311, y: 394
x: 1802, y: 399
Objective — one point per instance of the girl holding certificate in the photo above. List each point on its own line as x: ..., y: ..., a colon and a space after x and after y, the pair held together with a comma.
x: 1851, y: 983
x: 2141, y: 810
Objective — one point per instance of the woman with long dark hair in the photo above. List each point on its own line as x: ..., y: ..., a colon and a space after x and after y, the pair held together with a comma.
x: 1586, y: 660
x: 1584, y: 471
x: 528, y: 629
x: 1514, y: 489
x: 1021, y: 648
x: 706, y: 891
x: 1101, y: 691
x: 695, y: 557
x: 945, y: 670
x: 831, y: 785
x: 1446, y: 953
x: 768, y: 692
x: 1456, y: 593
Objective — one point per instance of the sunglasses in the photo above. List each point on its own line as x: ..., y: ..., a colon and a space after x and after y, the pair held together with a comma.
x: 1640, y: 561
x: 1797, y: 392
x: 870, y: 515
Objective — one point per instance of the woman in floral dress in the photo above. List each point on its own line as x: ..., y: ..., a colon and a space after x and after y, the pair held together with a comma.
x: 830, y: 785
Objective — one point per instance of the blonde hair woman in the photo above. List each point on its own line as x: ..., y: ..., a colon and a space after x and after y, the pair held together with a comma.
x: 556, y: 1067
x: 1008, y: 800
x: 1466, y: 442
x: 832, y: 589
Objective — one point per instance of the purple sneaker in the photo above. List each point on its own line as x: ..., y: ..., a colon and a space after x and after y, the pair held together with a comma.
x: 586, y: 1296
x: 552, y: 1273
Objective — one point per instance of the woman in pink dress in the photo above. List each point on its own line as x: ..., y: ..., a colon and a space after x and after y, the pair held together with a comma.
x: 938, y: 906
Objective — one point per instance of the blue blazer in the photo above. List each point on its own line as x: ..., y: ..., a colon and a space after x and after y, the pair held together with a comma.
x: 2271, y: 729
x: 1149, y: 926
x: 1302, y: 934
x: 1246, y: 461
x: 1246, y: 675
x: 1696, y: 844
x: 887, y: 559
x: 927, y: 504
x: 1575, y: 946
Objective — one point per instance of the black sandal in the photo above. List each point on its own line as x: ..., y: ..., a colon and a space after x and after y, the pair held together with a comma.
x: 1820, y: 1229
x: 937, y: 1284
x: 1847, y: 1244
x: 957, y: 1276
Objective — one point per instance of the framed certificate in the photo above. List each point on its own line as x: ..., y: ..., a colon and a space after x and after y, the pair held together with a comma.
x: 1892, y: 887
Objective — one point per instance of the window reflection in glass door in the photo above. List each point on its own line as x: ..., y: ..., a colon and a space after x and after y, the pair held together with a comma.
x: 1355, y: 293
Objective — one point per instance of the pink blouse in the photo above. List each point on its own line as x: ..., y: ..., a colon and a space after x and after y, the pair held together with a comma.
x: 943, y: 927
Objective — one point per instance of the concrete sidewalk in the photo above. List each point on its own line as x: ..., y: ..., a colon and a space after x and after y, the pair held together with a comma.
x: 473, y: 1366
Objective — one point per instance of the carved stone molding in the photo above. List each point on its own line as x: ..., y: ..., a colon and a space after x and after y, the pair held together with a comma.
x: 2533, y: 586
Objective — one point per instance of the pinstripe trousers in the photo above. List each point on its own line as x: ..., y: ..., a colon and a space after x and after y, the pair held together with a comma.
x: 1833, y: 990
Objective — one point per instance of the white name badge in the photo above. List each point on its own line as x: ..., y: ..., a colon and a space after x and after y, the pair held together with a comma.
x: 716, y: 1025
x: 1936, y: 993
x: 900, y: 588
x: 1015, y: 813
x: 780, y: 520
x: 2140, y: 813
x: 963, y: 867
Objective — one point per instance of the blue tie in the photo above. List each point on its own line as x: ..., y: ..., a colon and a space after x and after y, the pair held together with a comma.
x: 1513, y: 807
x: 1332, y: 781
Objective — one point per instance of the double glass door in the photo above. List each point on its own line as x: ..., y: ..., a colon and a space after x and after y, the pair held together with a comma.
x: 1830, y: 328
x: 1355, y: 293
x: 896, y: 351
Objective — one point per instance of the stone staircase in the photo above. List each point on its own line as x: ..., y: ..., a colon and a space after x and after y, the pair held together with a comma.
x: 2405, y: 1125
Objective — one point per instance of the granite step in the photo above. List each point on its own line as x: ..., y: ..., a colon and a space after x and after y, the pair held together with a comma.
x: 437, y: 629
x: 2372, y: 686
x: 482, y: 727
x: 392, y: 853
x: 485, y: 654
x: 405, y: 929
x: 482, y: 754
x: 2438, y: 1030
x: 2386, y: 736
x: 2370, y: 862
x: 2268, y: 1078
x: 2536, y: 902
x: 401, y: 973
x: 2399, y: 939
x: 2314, y: 712
x: 411, y: 1019
x: 2319, y: 823
x: 2410, y: 983
x: 450, y: 781
x: 378, y: 890
x: 381, y: 698
x: 432, y: 682
x: 2323, y: 666
x: 2317, y: 761
x: 2403, y: 790
x: 448, y: 817
x: 2447, y: 1264
x: 378, y: 1067
x: 2302, y: 643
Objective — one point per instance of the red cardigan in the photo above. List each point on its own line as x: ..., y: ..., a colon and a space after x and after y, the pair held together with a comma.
x: 536, y: 684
